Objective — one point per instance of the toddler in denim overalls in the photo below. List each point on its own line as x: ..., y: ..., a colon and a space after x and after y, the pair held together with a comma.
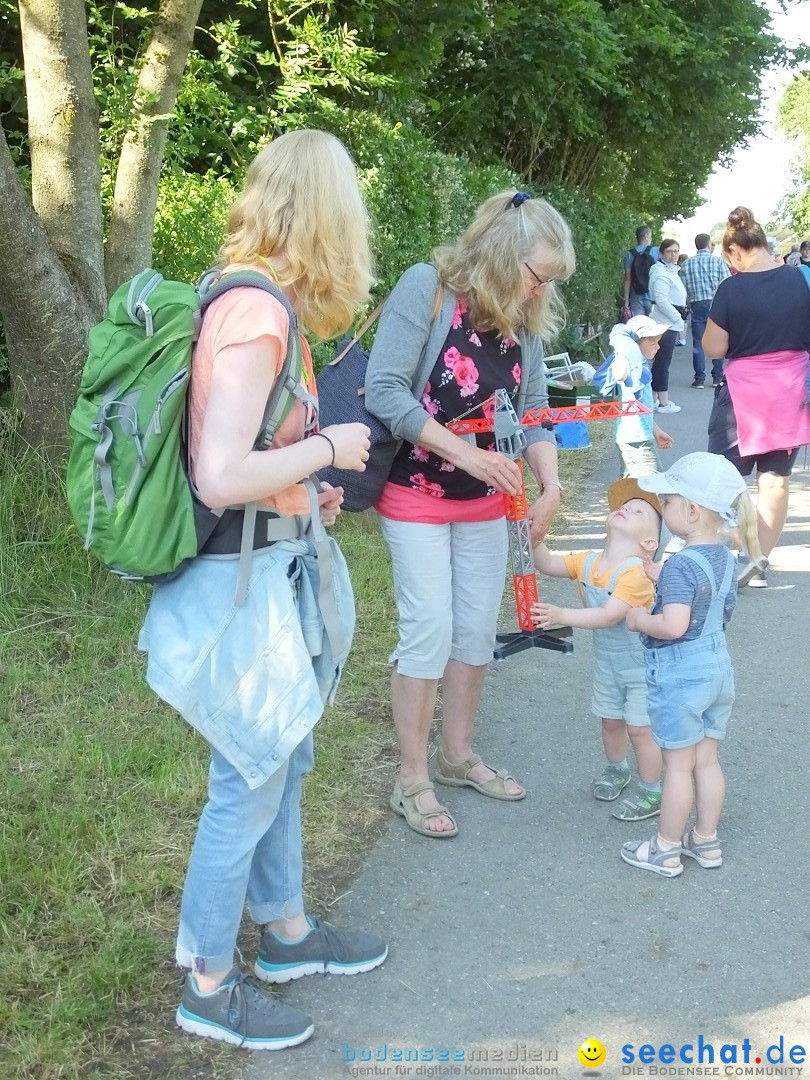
x: 611, y: 583
x: 690, y: 680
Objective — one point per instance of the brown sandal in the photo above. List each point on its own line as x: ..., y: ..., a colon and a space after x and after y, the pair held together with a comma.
x: 405, y: 802
x: 457, y: 776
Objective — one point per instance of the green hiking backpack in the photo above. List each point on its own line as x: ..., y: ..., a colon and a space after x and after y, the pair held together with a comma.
x: 127, y: 478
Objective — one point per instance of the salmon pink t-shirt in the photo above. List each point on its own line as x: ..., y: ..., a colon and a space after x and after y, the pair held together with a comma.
x: 235, y: 318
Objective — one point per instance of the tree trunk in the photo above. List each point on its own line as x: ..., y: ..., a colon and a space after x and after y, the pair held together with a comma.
x: 129, y: 244
x: 45, y: 314
x: 63, y: 138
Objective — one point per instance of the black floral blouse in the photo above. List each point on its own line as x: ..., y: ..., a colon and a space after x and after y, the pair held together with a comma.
x: 470, y: 368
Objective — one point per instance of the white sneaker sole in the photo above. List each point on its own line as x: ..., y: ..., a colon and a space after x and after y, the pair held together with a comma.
x: 662, y: 871
x: 316, y: 968
x: 215, y: 1031
x: 707, y: 864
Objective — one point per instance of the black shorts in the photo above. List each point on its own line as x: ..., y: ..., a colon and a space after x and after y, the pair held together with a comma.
x: 778, y: 462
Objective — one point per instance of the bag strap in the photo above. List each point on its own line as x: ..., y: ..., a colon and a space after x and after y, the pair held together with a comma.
x: 367, y: 325
x: 364, y: 329
x: 805, y: 272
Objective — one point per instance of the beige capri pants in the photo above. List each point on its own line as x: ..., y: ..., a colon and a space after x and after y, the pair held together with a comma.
x: 448, y: 583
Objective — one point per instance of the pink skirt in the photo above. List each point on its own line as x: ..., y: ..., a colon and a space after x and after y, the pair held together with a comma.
x: 768, y: 392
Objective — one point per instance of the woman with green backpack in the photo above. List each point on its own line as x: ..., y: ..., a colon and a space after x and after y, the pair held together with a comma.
x: 252, y: 677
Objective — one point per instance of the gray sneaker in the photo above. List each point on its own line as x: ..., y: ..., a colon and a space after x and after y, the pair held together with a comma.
x: 748, y: 573
x: 241, y: 1013
x: 323, y: 950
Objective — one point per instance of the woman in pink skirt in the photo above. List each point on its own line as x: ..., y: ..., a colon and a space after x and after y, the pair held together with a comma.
x: 760, y: 321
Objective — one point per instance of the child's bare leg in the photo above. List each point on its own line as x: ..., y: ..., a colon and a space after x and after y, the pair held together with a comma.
x: 647, y: 751
x: 678, y: 794
x: 710, y: 792
x: 614, y: 740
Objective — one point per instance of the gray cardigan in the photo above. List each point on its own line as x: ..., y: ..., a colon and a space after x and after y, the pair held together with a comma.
x: 405, y: 350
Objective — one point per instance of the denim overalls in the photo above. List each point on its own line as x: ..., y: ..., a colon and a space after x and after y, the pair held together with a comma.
x: 619, y: 686
x: 691, y: 683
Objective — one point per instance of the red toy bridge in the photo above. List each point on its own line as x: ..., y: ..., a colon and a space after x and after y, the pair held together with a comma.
x: 510, y: 440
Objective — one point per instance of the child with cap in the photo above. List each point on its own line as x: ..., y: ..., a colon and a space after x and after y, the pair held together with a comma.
x: 690, y: 681
x: 634, y: 345
x: 611, y: 583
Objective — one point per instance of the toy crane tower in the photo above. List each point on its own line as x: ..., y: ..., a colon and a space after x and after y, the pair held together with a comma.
x: 510, y: 440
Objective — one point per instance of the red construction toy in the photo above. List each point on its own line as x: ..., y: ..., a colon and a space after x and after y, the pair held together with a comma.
x: 510, y: 440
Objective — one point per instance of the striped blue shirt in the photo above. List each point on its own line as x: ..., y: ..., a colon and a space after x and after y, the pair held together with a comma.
x: 702, y: 274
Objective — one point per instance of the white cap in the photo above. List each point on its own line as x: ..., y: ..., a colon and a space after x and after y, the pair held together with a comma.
x: 641, y: 326
x: 706, y: 479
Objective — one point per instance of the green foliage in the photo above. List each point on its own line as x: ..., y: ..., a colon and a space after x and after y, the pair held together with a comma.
x: 418, y: 196
x: 595, y: 94
x: 794, y: 119
x: 190, y: 223
x: 599, y: 93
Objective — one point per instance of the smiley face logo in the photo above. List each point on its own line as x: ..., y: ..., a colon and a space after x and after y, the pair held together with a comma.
x: 592, y: 1054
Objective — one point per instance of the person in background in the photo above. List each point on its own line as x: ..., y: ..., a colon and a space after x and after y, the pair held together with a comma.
x: 669, y: 304
x: 634, y: 345
x: 682, y: 336
x: 760, y: 321
x: 701, y: 275
x: 638, y: 262
x: 795, y: 256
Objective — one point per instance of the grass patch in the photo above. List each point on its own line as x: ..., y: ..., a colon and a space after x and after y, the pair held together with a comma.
x: 102, y: 788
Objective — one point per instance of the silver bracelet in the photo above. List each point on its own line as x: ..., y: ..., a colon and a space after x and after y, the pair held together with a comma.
x: 553, y: 483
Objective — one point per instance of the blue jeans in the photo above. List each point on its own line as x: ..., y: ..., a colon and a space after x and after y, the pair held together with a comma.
x: 248, y: 844
x: 700, y: 313
x: 640, y: 303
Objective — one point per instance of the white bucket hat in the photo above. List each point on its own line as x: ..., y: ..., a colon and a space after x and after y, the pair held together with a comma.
x: 706, y: 479
x: 641, y: 326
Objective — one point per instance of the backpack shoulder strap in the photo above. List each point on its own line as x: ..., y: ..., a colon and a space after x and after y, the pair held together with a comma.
x: 289, y: 384
x: 805, y: 272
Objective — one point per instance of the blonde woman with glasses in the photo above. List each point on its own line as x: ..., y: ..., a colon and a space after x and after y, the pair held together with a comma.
x: 441, y: 510
x: 252, y: 678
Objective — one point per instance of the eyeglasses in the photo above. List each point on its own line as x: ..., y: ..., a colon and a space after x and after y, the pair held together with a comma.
x: 539, y: 281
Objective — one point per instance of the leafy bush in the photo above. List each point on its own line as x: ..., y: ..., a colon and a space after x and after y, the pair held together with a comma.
x: 190, y: 223
x: 418, y: 196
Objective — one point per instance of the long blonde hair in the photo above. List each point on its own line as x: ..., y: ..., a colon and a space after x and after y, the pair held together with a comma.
x: 301, y: 208
x: 744, y: 532
x: 485, y: 266
x: 747, y: 526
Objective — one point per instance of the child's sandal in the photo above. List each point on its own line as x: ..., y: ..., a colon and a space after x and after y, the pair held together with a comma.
x: 655, y: 859
x: 698, y: 852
